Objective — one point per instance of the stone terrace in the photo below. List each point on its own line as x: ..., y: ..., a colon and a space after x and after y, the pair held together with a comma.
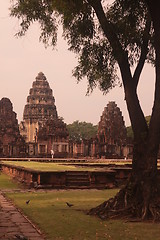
x: 107, y: 175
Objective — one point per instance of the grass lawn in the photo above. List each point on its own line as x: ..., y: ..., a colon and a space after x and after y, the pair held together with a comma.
x: 7, y: 183
x: 50, y: 212
x: 52, y: 166
x: 48, y: 166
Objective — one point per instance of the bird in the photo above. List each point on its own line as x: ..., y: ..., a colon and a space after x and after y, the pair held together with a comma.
x: 27, y: 202
x: 21, y: 237
x: 69, y: 204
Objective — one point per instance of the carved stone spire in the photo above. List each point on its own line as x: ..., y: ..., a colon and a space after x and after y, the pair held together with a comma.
x: 39, y: 108
x: 111, y: 128
x: 41, y: 76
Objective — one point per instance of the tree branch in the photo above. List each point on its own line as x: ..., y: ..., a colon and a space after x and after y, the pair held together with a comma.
x: 144, y: 52
x: 108, y: 29
x: 135, y: 112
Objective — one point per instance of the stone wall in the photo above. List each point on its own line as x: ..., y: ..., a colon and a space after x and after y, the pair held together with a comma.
x: 68, y: 179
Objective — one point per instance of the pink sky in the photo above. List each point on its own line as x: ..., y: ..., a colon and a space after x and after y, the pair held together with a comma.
x: 22, y: 59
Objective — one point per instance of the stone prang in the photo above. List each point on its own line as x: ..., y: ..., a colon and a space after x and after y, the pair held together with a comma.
x: 111, y: 128
x: 39, y: 108
x: 11, y: 142
x: 112, y: 133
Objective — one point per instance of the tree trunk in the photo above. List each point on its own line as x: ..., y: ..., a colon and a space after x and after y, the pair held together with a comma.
x: 141, y: 195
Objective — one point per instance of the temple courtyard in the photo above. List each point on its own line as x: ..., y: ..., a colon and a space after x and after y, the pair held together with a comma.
x: 49, y: 213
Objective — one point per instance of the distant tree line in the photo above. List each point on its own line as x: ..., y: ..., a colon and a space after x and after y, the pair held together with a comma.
x: 81, y: 130
x: 84, y: 130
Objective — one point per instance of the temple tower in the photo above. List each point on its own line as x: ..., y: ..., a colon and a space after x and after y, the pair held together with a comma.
x: 11, y: 142
x: 112, y: 132
x: 39, y: 108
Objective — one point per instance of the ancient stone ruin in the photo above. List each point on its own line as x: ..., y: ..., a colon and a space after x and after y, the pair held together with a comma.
x: 43, y: 131
x: 39, y: 111
x: 112, y: 132
x: 53, y: 135
x: 111, y: 139
x: 11, y: 142
x: 40, y: 107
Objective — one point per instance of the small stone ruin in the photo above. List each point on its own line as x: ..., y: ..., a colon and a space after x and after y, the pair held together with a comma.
x: 11, y: 142
x: 112, y: 133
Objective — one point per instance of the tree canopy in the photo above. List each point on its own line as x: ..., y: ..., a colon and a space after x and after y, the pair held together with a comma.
x: 81, y: 131
x: 127, y: 25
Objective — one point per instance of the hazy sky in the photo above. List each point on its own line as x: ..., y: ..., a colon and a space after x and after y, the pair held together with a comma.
x: 22, y: 59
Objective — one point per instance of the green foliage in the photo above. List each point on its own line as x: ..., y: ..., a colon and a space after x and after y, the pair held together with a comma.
x: 130, y: 132
x: 29, y: 11
x: 148, y: 118
x: 81, y: 130
x: 127, y: 21
x: 131, y: 22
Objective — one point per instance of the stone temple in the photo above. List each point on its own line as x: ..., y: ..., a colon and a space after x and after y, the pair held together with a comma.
x: 53, y: 135
x: 42, y: 131
x: 112, y: 133
x: 111, y: 138
x: 11, y: 142
x: 40, y: 108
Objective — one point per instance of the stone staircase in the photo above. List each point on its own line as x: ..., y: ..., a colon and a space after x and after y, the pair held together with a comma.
x: 77, y: 179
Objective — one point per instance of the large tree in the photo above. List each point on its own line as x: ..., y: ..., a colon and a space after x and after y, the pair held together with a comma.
x: 123, y: 35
